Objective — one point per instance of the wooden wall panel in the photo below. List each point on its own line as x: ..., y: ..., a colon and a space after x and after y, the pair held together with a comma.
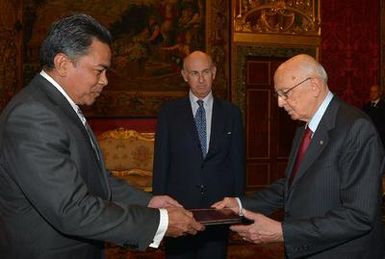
x: 258, y: 125
x: 269, y: 130
x: 259, y: 75
x: 258, y: 174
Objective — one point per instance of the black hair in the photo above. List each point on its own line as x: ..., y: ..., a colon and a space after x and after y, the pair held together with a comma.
x: 72, y: 36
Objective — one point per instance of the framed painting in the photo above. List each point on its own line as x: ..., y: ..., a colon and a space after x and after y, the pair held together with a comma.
x: 150, y: 40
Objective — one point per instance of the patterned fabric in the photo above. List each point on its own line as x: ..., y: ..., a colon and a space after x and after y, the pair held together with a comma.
x: 129, y: 155
x: 200, y: 122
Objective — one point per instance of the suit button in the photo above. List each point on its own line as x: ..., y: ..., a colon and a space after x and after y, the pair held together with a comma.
x: 202, y: 188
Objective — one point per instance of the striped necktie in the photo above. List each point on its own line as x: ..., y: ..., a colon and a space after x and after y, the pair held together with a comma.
x: 90, y: 134
x: 200, y: 122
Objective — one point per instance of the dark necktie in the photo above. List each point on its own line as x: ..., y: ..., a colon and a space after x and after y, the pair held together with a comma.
x: 373, y: 104
x: 301, y: 152
x: 89, y: 133
x: 200, y: 122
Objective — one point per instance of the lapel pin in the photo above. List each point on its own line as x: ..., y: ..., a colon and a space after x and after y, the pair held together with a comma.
x: 321, y: 142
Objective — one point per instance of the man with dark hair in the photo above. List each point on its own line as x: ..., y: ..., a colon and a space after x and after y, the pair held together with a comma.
x: 57, y: 200
x: 331, y: 192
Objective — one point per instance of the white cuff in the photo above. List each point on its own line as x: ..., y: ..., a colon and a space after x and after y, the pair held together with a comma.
x: 162, y: 228
x: 240, y: 213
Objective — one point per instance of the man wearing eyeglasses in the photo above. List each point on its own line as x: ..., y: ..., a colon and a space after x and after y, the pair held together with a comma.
x: 199, y: 155
x: 331, y: 192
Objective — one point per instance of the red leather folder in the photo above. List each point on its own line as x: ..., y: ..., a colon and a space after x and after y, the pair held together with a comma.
x: 216, y: 217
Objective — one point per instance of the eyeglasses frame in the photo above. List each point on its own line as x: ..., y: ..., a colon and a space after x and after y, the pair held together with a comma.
x: 284, y: 94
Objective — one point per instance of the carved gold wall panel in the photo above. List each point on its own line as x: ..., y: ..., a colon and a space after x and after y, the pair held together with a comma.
x: 280, y: 21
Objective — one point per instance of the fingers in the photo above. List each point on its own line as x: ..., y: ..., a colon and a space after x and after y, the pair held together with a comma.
x: 227, y: 202
x: 171, y: 202
x: 163, y: 201
x: 195, y: 227
x: 263, y: 230
x: 249, y: 215
x: 218, y: 205
x: 240, y: 228
x: 181, y: 222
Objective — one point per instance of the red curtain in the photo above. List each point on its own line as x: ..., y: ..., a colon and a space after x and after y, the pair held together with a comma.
x: 350, y: 47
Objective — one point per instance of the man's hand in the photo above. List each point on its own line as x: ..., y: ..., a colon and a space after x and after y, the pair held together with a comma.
x: 227, y: 202
x: 181, y: 222
x: 263, y: 230
x: 163, y: 201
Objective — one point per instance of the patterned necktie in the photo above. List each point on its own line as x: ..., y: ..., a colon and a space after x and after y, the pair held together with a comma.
x: 301, y: 152
x: 90, y: 133
x: 200, y: 122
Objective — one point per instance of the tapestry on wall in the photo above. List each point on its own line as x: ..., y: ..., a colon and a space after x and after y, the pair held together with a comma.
x: 150, y: 40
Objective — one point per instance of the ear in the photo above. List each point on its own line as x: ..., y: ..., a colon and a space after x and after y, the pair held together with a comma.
x: 184, y: 75
x: 316, y: 86
x: 213, y: 71
x: 61, y: 63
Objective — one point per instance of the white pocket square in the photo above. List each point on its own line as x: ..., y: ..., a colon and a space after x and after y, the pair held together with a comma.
x: 228, y: 133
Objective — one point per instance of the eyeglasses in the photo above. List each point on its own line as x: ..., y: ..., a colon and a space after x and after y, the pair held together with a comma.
x: 284, y: 94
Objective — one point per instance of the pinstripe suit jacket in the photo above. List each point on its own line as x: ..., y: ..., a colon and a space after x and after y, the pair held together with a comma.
x: 57, y: 200
x: 332, y: 208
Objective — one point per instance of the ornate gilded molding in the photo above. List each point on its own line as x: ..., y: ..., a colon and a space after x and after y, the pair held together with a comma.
x: 122, y: 133
x: 294, y: 17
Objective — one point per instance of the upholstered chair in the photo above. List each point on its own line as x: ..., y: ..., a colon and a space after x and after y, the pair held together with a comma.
x: 129, y: 154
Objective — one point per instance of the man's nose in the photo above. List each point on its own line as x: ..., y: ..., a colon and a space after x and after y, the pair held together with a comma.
x: 103, y: 79
x: 201, y: 78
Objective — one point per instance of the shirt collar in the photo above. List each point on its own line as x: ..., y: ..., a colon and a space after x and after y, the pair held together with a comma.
x: 376, y: 101
x: 60, y: 89
x: 207, y: 101
x: 314, y: 122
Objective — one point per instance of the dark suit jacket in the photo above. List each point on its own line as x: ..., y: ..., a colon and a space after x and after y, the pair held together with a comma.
x: 179, y: 168
x: 332, y: 208
x: 56, y: 199
x: 377, y: 114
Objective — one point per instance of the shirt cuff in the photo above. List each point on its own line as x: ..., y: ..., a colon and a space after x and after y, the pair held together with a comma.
x: 162, y: 228
x: 240, y: 213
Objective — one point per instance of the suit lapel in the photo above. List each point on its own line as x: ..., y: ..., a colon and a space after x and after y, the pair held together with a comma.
x: 293, y: 154
x: 59, y: 100
x: 186, y: 117
x: 217, y: 122
x: 319, y: 141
